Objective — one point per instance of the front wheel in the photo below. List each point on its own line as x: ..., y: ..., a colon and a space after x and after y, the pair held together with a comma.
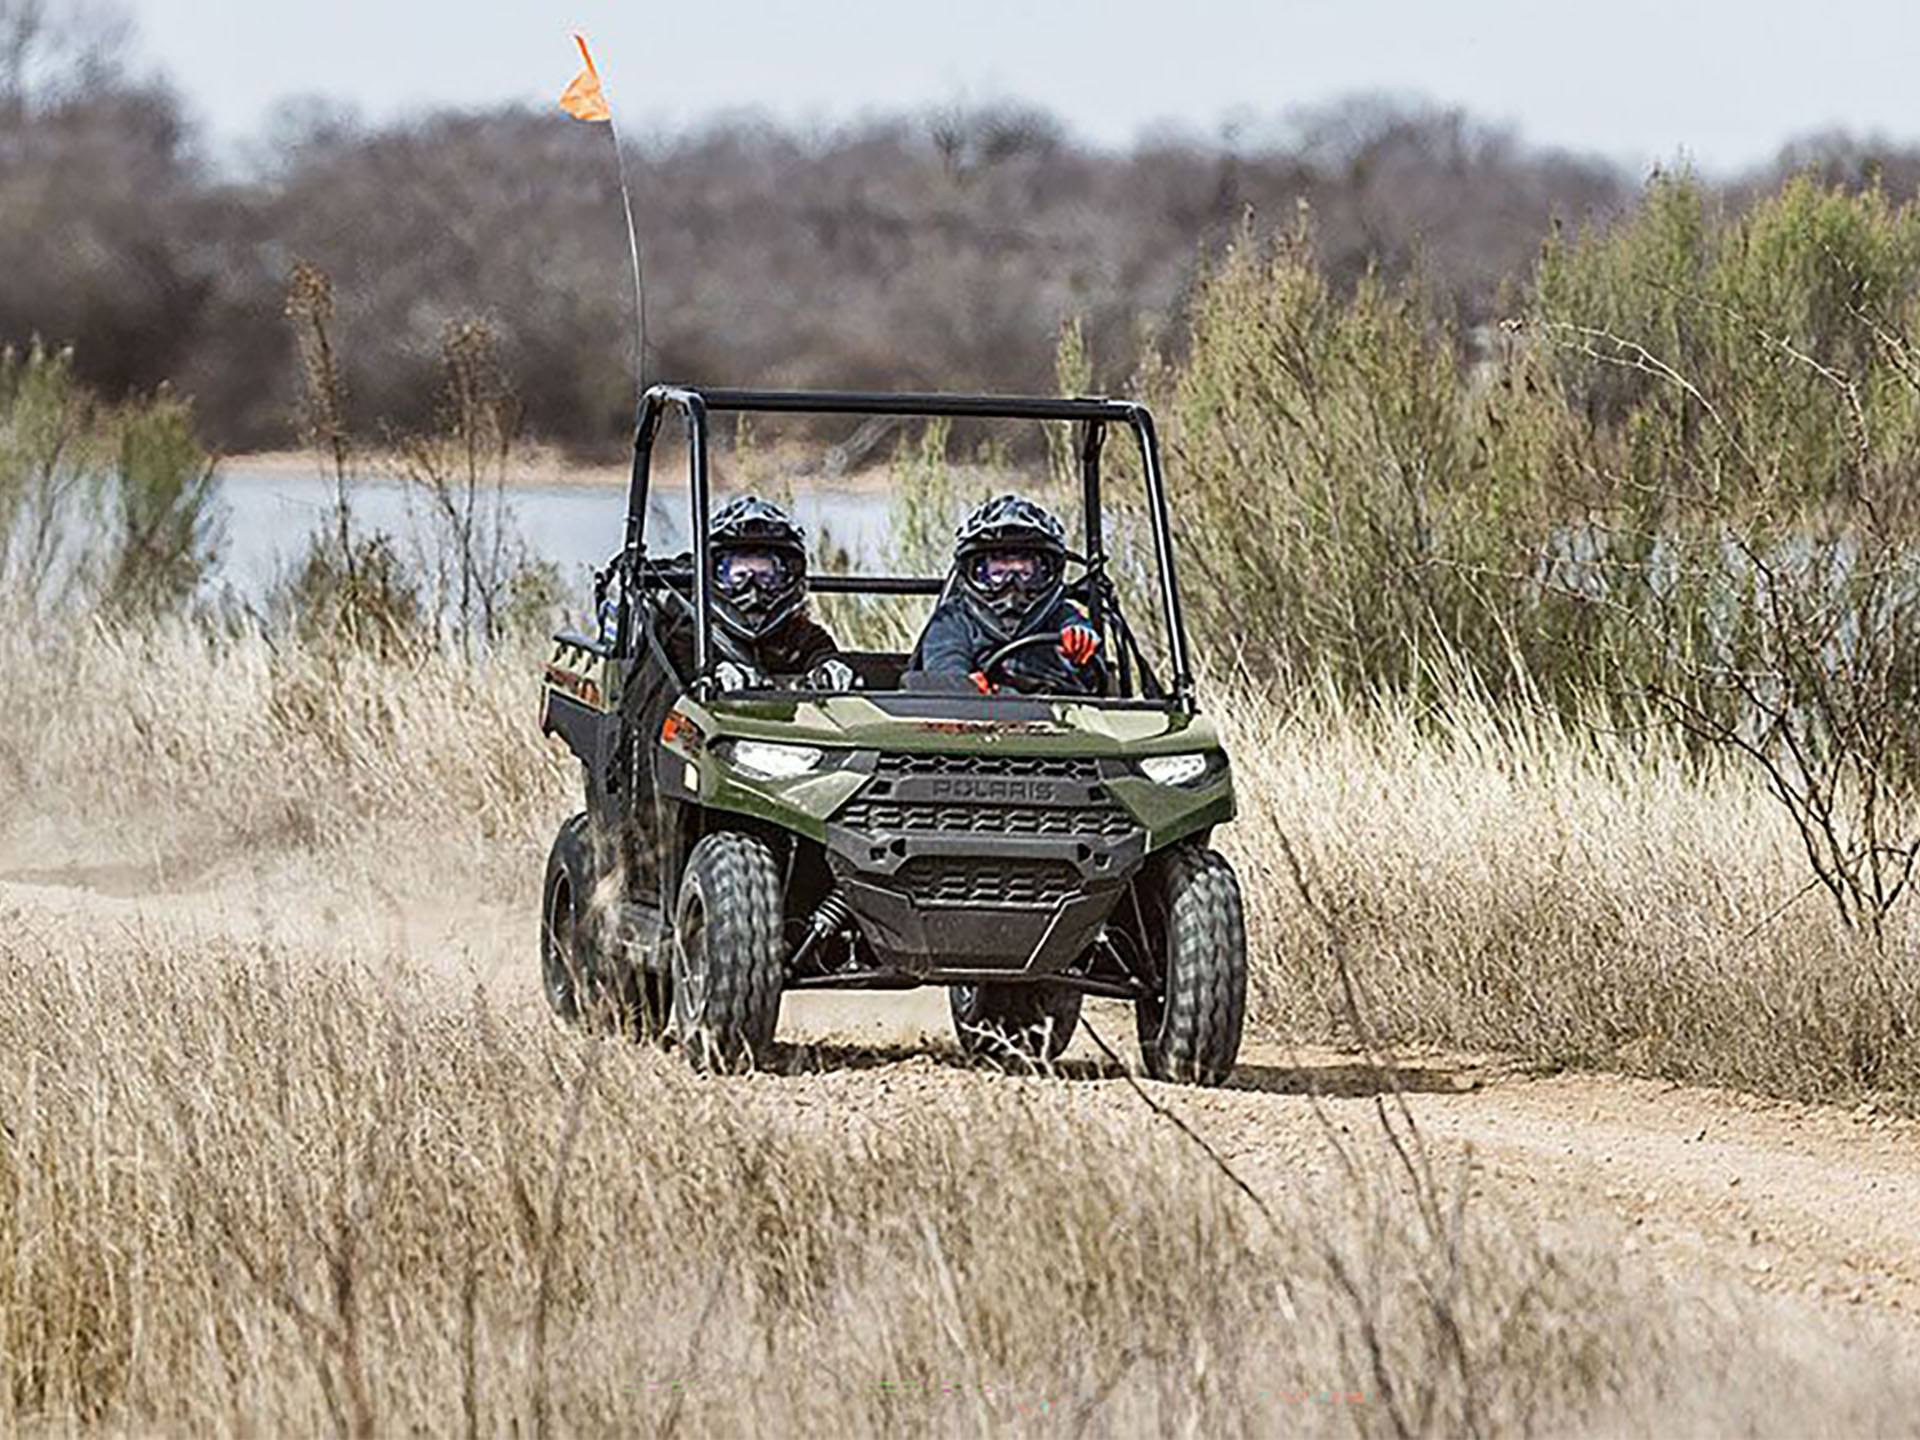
x: 1030, y: 1024
x: 1190, y: 1030
x: 727, y: 961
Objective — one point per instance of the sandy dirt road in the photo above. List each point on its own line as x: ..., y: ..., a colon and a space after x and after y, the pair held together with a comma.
x: 1815, y: 1209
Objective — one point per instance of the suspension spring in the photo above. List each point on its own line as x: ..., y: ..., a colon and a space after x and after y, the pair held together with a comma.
x: 834, y: 914
x: 832, y: 917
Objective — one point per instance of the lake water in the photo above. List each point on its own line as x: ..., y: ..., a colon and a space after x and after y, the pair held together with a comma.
x: 271, y: 514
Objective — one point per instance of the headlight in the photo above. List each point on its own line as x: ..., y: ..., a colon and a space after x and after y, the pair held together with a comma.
x: 773, y: 762
x: 1174, y: 769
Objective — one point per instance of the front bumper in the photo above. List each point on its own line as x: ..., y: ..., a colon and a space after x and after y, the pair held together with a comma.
x: 983, y: 866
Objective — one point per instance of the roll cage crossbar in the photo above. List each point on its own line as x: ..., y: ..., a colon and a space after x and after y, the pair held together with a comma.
x: 1093, y: 416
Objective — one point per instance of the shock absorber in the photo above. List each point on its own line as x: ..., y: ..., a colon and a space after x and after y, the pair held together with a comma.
x: 834, y: 914
x: 830, y: 918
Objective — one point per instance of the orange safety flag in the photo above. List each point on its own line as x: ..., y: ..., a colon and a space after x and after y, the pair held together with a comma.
x: 584, y: 99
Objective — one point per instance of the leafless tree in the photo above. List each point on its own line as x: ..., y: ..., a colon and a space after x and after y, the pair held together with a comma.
x: 460, y: 468
x: 1789, y: 635
x: 49, y: 45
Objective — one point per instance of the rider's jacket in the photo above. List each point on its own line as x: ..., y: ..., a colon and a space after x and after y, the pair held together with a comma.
x: 788, y: 654
x: 957, y: 643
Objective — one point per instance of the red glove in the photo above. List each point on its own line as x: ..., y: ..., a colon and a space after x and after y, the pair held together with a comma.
x: 981, y: 683
x: 1079, y: 642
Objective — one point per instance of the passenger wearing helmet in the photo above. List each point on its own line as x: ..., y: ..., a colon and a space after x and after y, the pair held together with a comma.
x: 1007, y: 597
x: 762, y: 632
x: 761, y: 635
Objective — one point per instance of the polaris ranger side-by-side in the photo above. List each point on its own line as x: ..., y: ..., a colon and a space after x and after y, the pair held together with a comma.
x: 1023, y: 850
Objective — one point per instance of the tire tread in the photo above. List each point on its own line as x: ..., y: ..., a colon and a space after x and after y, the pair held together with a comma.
x: 1205, y: 1003
x: 739, y: 883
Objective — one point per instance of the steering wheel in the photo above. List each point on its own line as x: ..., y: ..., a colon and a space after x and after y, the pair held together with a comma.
x: 1012, y: 648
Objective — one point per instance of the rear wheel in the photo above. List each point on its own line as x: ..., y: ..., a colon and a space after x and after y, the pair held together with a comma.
x: 583, y: 969
x: 1190, y: 1031
x: 1031, y: 1024
x: 572, y: 939
x: 727, y: 959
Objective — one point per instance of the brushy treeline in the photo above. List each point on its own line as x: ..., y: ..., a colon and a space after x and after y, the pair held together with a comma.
x: 1370, y: 501
x: 925, y: 251
x: 918, y: 251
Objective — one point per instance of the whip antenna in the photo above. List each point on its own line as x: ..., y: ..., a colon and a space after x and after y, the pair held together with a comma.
x: 586, y: 99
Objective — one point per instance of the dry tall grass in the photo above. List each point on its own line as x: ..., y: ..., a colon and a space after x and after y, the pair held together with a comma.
x: 293, y: 1186
x: 189, y: 749
x: 247, y: 1189
x: 1509, y: 881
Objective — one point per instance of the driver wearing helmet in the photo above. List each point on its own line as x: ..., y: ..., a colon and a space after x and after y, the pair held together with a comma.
x: 1007, y: 599
x: 763, y: 632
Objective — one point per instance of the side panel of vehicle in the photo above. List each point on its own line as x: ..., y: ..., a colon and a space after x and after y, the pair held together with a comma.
x: 1172, y: 813
x: 579, y: 703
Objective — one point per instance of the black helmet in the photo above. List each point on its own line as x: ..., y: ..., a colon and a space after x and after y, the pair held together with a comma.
x: 1011, y: 559
x: 759, y: 561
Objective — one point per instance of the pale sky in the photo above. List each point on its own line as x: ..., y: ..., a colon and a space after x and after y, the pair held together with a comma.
x: 1722, y: 82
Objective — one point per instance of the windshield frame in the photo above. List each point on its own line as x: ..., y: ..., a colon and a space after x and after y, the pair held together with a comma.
x: 1093, y: 415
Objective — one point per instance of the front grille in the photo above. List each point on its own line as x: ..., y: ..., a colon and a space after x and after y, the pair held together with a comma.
x: 1055, y: 813
x: 1005, y: 884
x: 1105, y: 821
x: 1079, y: 807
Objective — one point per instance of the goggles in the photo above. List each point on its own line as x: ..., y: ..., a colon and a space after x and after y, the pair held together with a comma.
x: 993, y: 571
x: 737, y: 571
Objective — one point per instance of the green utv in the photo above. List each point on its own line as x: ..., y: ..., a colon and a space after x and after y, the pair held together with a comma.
x: 1024, y: 851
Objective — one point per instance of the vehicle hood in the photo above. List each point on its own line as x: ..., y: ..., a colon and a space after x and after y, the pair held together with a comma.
x: 949, y: 724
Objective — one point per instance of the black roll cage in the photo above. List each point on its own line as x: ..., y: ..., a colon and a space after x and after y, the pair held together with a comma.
x: 696, y: 404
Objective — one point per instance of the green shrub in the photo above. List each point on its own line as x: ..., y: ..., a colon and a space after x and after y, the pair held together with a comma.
x: 1356, y: 494
x: 366, y: 601
x: 1323, y: 468
x: 98, y: 508
x: 166, y: 536
x: 46, y: 423
x: 1735, y: 362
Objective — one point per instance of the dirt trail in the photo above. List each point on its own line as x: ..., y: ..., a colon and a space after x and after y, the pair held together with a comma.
x: 1816, y: 1207
x: 1812, y: 1205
